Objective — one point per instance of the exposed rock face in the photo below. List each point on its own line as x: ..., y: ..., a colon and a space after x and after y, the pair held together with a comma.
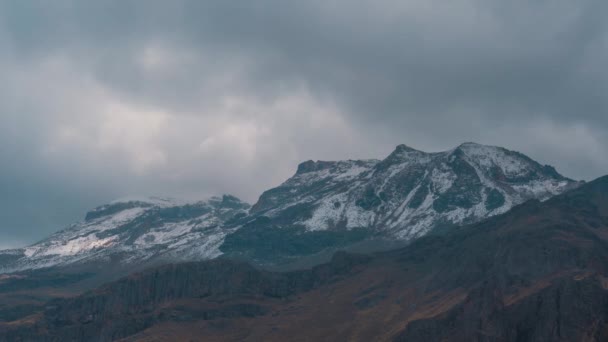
x: 410, y: 192
x: 325, y: 206
x: 131, y: 305
x: 133, y: 232
x: 566, y: 310
x: 536, y: 273
x: 402, y: 197
x: 541, y: 274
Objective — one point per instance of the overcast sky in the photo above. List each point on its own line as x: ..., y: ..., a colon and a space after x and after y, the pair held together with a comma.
x: 105, y: 99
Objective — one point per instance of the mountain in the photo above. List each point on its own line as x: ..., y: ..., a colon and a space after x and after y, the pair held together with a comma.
x: 324, y: 207
x: 410, y: 191
x: 402, y: 197
x: 536, y: 273
x: 134, y: 231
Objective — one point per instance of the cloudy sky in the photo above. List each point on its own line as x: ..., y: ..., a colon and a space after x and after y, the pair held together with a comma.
x: 105, y: 99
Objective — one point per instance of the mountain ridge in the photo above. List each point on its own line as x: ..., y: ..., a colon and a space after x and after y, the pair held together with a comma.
x: 536, y: 273
x: 135, y: 231
x: 406, y: 179
x: 325, y: 205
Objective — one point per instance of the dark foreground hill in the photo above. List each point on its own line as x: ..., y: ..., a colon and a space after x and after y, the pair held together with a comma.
x: 536, y: 273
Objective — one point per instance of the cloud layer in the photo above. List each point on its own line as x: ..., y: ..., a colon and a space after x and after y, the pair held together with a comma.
x: 100, y: 100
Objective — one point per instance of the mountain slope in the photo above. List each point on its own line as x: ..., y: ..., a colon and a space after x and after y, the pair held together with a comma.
x: 536, y: 273
x: 410, y: 192
x: 400, y: 198
x: 325, y: 206
x: 133, y: 232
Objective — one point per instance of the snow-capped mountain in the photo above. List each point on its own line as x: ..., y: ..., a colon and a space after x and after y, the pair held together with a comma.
x: 410, y: 192
x: 134, y: 231
x: 324, y: 206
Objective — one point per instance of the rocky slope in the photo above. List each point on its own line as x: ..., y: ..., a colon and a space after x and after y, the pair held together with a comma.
x: 410, y: 192
x: 325, y: 206
x: 402, y: 197
x: 536, y: 273
x: 132, y: 232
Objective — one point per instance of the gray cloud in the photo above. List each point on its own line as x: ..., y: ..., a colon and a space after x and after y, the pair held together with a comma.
x: 192, y: 98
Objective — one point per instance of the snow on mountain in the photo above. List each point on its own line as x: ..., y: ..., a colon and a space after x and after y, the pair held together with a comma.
x: 134, y: 230
x: 410, y: 192
x: 326, y: 204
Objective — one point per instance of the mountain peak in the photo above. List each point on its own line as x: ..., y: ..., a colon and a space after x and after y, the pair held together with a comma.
x: 471, y: 144
x: 402, y: 152
x: 312, y: 166
x: 474, y: 147
x: 411, y: 191
x: 228, y: 201
x: 402, y: 197
x: 135, y: 230
x: 405, y: 148
x: 131, y: 203
x: 144, y: 199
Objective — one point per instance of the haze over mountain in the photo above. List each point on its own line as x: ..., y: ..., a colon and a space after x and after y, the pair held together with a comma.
x: 191, y: 98
x: 190, y: 170
x: 325, y: 206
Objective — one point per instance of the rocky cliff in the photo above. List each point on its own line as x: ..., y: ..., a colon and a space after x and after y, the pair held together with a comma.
x: 536, y: 273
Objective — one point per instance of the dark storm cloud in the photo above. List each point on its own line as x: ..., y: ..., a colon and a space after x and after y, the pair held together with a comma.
x: 188, y: 98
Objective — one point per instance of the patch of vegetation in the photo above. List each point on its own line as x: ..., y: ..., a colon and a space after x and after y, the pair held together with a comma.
x: 265, y: 243
x: 295, y: 213
x: 464, y: 192
x: 14, y: 313
x: 419, y: 197
x: 494, y: 200
x: 369, y: 200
